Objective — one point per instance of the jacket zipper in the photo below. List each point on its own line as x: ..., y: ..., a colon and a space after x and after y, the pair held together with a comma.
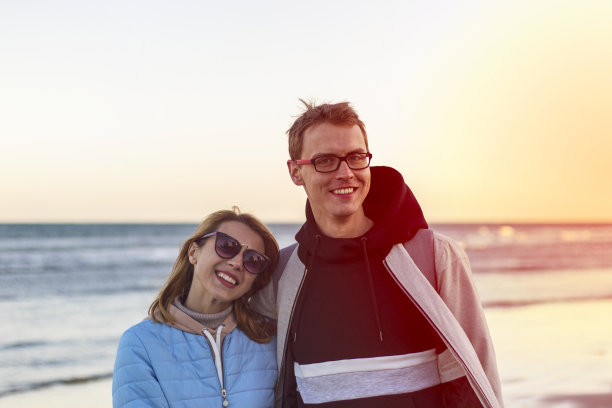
x: 482, y: 396
x: 225, y: 402
x: 218, y: 360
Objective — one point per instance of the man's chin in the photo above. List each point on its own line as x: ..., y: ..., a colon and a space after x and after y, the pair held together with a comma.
x: 344, y: 211
x: 337, y: 209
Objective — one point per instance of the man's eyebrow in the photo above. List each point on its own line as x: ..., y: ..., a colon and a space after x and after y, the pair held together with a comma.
x: 317, y: 155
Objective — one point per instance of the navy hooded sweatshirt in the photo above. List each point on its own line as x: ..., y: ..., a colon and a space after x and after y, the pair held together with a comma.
x: 350, y: 306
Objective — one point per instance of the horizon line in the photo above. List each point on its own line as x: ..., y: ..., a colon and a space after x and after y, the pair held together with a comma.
x: 280, y: 222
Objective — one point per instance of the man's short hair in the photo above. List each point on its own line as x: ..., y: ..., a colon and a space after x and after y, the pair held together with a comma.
x: 340, y: 114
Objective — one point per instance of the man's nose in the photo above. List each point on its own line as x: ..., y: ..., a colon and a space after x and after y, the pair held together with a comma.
x: 344, y: 171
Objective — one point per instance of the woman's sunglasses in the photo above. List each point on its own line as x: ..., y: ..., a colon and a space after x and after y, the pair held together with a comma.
x: 228, y: 247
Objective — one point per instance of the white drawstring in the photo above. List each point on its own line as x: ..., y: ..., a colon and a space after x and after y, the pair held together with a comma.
x: 216, y: 346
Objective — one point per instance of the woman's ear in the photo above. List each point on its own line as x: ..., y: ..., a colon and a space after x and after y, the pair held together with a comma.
x: 192, y: 253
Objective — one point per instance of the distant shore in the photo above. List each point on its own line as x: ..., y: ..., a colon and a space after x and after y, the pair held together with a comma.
x: 549, y: 355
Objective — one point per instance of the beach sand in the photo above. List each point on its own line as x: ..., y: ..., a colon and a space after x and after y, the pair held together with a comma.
x: 550, y: 355
x: 555, y: 354
x: 94, y: 394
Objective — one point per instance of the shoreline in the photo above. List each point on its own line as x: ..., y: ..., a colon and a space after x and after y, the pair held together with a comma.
x: 50, y: 384
x: 549, y: 355
x: 93, y: 394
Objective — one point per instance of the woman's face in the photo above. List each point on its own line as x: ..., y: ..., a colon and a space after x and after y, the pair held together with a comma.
x: 217, y: 281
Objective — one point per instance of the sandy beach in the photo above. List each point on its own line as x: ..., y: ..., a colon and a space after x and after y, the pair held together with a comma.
x: 555, y: 354
x: 550, y: 355
x: 95, y: 394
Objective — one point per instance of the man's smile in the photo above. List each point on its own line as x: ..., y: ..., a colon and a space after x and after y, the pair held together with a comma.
x: 344, y: 190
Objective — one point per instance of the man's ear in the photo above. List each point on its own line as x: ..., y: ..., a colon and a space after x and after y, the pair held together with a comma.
x: 294, y: 173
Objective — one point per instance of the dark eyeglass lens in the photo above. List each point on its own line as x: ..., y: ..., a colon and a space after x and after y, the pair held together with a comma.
x: 253, y: 261
x: 227, y: 247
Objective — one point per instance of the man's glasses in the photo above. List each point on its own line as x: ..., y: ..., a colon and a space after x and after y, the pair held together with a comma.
x: 228, y: 247
x: 329, y: 163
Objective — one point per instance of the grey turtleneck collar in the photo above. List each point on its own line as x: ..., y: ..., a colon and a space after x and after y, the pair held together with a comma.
x: 211, y: 321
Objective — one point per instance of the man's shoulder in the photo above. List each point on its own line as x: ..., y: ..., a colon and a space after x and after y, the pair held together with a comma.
x: 285, y: 254
x: 289, y: 249
x: 450, y: 254
x: 283, y: 259
x: 445, y: 245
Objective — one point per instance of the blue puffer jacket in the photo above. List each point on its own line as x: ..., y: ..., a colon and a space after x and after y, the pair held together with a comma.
x: 162, y: 366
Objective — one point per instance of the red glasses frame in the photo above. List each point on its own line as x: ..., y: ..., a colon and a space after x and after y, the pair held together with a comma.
x: 340, y: 160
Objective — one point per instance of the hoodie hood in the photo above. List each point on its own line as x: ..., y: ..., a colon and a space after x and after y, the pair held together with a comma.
x: 390, y: 204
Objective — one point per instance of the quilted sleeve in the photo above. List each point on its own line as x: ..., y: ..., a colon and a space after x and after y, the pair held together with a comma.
x: 135, y: 383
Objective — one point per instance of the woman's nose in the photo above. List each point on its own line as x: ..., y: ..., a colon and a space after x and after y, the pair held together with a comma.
x: 236, y: 261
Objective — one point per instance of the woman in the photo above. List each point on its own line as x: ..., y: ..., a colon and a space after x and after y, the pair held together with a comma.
x: 203, y: 346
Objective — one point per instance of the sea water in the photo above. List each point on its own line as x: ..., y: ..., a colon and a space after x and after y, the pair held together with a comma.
x: 67, y: 292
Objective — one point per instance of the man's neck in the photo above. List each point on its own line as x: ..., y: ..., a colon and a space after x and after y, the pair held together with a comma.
x: 345, y: 227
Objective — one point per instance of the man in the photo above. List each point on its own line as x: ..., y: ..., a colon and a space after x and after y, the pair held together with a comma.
x: 360, y: 324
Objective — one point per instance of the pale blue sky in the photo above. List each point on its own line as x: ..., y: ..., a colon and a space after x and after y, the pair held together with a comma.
x: 166, y: 111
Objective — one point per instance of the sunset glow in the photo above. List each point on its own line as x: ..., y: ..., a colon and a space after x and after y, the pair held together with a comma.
x: 166, y: 111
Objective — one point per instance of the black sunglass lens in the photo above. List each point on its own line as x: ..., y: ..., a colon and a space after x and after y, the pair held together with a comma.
x: 227, y: 247
x: 253, y: 261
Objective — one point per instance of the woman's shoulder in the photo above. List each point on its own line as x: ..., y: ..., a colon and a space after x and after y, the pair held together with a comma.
x: 145, y: 326
x: 149, y: 330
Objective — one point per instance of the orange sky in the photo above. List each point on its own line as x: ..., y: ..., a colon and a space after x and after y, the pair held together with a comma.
x: 165, y: 113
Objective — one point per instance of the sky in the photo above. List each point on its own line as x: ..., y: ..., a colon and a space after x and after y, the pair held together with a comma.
x: 164, y: 111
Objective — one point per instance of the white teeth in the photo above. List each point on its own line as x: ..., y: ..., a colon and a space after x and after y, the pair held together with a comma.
x: 227, y: 278
x: 344, y: 190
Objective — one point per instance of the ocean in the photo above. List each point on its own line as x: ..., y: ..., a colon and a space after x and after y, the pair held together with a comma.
x: 69, y: 291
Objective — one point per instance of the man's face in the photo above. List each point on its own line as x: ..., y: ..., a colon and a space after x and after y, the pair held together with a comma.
x: 337, y: 196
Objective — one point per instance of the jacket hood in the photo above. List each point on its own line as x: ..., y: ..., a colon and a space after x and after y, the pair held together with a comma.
x: 390, y: 204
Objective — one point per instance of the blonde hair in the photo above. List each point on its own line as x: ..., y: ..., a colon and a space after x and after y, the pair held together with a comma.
x: 253, y: 324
